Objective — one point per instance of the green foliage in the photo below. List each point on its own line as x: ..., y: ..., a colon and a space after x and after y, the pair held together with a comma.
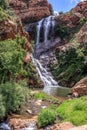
x: 3, y: 15
x: 71, y: 64
x: 11, y: 59
x: 46, y: 117
x: 13, y: 96
x: 61, y: 30
x: 12, y: 66
x: 4, y: 4
x: 2, y: 107
x: 83, y: 20
x: 43, y: 96
x: 74, y: 111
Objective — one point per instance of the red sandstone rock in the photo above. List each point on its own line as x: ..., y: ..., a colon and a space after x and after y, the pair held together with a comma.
x: 82, y: 34
x: 9, y: 29
x: 80, y: 88
x: 62, y: 126
x: 19, y: 122
x: 31, y: 10
x: 81, y: 8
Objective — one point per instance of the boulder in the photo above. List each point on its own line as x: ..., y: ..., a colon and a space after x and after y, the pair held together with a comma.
x: 31, y: 10
x: 80, y: 88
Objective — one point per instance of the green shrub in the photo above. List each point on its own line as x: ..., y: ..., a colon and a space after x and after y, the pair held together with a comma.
x: 2, y: 107
x: 61, y: 30
x: 46, y: 117
x: 74, y: 111
x: 40, y: 96
x: 11, y: 59
x: 3, y: 15
x: 71, y: 65
x: 4, y: 4
x: 13, y: 96
x: 83, y: 20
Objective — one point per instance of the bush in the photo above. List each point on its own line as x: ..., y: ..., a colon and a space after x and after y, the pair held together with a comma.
x: 46, y: 117
x: 74, y: 111
x: 11, y: 59
x: 4, y: 4
x: 3, y: 15
x: 13, y: 97
x: 2, y: 108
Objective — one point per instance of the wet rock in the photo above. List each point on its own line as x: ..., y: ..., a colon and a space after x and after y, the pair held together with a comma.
x: 44, y: 46
x: 4, y: 126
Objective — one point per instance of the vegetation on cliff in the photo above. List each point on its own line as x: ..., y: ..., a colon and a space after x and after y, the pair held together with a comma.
x: 4, y: 4
x: 72, y: 64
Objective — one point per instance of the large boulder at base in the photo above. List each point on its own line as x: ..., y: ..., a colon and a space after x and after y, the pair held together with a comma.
x: 80, y: 88
x: 31, y: 10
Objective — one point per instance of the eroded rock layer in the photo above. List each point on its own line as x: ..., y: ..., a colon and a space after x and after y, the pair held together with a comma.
x: 31, y: 10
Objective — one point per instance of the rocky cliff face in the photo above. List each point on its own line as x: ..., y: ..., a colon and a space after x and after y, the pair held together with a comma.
x: 9, y: 29
x: 71, y: 56
x: 81, y: 8
x: 31, y: 10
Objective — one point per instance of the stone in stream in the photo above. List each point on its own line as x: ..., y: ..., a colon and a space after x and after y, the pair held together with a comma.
x: 4, y: 126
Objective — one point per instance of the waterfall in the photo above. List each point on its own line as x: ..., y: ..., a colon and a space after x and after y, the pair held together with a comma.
x: 47, y: 26
x: 45, y: 76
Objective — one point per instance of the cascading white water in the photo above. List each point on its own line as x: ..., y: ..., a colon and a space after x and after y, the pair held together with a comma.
x: 45, y: 76
x: 39, y: 24
x: 48, y: 25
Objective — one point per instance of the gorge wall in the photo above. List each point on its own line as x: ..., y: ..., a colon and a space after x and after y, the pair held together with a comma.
x: 70, y: 28
x: 31, y: 10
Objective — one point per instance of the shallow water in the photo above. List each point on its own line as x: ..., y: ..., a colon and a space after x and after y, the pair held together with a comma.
x: 57, y: 91
x: 4, y: 126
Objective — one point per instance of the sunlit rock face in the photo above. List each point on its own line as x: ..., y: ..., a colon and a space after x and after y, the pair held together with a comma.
x: 9, y: 29
x: 81, y: 8
x: 31, y: 10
